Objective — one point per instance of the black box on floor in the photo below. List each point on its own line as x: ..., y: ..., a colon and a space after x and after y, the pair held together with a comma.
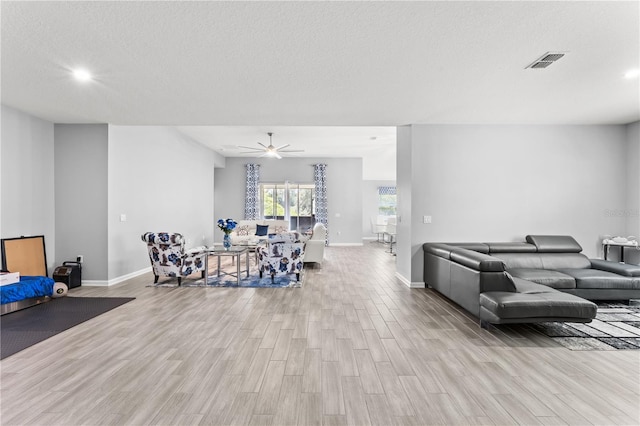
x: 69, y: 273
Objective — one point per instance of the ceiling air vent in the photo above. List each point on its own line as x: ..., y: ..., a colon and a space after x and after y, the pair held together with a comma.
x: 545, y: 60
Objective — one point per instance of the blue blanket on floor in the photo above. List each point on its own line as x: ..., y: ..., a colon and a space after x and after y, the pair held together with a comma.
x: 27, y: 288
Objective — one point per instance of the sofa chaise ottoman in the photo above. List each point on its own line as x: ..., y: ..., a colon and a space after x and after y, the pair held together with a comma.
x: 531, y: 302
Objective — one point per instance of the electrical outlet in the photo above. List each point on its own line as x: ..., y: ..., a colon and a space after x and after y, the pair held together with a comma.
x: 426, y: 219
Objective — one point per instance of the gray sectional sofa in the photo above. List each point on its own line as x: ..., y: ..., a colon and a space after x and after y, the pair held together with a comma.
x: 546, y: 278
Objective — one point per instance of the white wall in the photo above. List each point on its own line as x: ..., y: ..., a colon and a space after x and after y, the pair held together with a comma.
x: 632, y: 211
x: 81, y: 196
x: 404, y: 188
x: 370, y: 203
x: 162, y: 181
x: 381, y: 164
x: 27, y: 179
x: 344, y: 190
x: 500, y: 183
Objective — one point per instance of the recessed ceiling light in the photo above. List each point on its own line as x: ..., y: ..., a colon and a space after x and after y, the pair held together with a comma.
x: 82, y: 74
x: 632, y: 74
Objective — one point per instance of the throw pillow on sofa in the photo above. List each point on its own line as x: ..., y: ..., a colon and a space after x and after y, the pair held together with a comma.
x: 262, y: 230
x: 243, y: 230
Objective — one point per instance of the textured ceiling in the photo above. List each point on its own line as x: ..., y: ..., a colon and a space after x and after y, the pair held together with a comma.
x: 321, y: 63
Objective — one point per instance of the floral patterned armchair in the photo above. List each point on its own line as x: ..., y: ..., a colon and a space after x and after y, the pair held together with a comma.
x: 282, y: 255
x: 169, y: 258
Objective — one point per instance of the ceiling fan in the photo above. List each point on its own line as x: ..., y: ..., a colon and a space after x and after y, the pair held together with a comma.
x: 269, y: 151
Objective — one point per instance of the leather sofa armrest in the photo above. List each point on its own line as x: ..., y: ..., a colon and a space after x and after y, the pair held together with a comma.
x: 477, y: 261
x: 438, y: 249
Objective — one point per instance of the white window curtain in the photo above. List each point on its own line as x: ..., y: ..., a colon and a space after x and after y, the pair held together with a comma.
x: 320, y: 182
x: 252, y: 200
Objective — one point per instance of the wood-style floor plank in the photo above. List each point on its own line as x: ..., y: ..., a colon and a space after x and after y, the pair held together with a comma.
x: 354, y: 345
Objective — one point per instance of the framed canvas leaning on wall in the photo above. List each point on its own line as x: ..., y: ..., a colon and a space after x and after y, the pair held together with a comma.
x: 26, y: 255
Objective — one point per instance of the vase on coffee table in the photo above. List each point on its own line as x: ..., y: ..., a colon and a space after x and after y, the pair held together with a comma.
x: 227, y: 226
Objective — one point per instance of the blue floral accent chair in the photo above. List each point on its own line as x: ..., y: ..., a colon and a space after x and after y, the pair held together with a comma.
x: 169, y: 258
x: 282, y: 255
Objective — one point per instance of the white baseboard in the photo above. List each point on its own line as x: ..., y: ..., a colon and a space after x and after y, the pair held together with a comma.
x: 345, y: 244
x: 94, y: 283
x: 114, y: 281
x: 410, y: 284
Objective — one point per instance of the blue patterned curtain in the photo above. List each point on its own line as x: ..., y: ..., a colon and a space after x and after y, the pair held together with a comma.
x: 252, y: 200
x: 386, y: 190
x: 322, y: 211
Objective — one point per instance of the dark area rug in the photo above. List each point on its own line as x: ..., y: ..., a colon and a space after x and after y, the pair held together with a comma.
x: 21, y: 329
x: 616, y: 326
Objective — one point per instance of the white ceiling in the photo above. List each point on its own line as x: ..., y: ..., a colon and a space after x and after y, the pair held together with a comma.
x: 376, y: 145
x: 270, y: 65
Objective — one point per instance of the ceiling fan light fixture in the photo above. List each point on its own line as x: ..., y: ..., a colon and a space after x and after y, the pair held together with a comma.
x: 269, y: 151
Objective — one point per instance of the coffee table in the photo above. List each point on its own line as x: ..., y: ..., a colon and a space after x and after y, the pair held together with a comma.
x: 236, y: 253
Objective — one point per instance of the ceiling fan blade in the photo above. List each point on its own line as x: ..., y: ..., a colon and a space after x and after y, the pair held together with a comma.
x: 263, y: 145
x: 283, y: 146
x: 248, y: 147
x: 292, y: 150
x: 278, y: 156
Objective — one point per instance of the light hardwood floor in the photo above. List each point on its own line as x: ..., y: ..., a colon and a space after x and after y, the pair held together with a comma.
x: 354, y: 346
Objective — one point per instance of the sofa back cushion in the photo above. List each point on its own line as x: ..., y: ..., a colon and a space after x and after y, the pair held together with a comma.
x: 554, y: 243
x: 515, y: 247
x: 249, y: 227
x: 245, y: 227
x: 544, y: 260
x: 479, y: 247
x: 520, y: 260
x: 276, y: 226
x: 564, y: 260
